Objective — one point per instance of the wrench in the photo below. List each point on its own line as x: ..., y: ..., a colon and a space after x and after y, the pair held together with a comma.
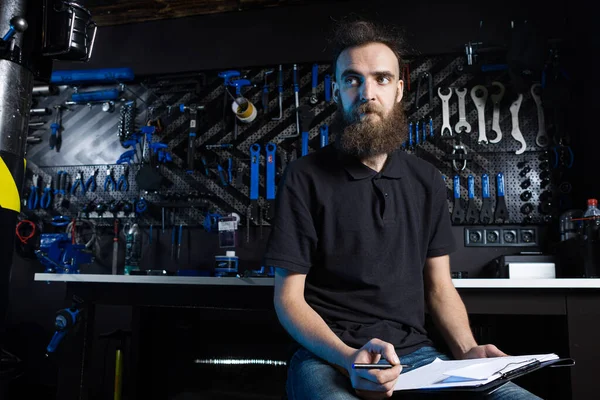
x: 516, y: 132
x: 480, y: 104
x: 445, y: 111
x: 542, y: 137
x: 458, y: 213
x: 496, y: 98
x: 462, y: 118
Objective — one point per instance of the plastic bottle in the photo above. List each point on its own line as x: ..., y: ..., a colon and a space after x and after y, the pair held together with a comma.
x: 592, y: 210
x: 133, y: 248
x: 570, y: 229
x: 226, y: 265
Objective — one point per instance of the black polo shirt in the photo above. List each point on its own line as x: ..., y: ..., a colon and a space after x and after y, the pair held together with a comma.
x: 362, y: 238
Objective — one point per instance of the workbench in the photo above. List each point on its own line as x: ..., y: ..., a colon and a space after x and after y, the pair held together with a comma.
x: 577, y: 300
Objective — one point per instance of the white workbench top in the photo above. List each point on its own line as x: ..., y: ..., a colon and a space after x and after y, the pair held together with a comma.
x: 205, y: 280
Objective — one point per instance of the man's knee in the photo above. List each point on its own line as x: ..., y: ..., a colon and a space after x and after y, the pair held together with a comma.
x: 312, y: 378
x: 511, y: 391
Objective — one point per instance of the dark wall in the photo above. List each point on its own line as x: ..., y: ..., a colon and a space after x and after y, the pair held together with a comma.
x: 293, y: 34
x: 297, y: 34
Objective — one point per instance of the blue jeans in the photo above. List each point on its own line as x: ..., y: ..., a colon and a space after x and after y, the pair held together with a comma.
x: 310, y: 378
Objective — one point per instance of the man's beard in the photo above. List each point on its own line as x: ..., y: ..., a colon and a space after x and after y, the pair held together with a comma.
x: 365, y: 139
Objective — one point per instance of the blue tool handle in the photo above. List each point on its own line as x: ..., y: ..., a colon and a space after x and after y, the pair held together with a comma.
x: 182, y: 107
x: 53, y: 136
x: 180, y: 234
x: 304, y: 143
x: 315, y: 75
x: 324, y: 131
x: 239, y: 84
x: 295, y: 75
x: 410, y: 134
x: 33, y: 199
x: 417, y: 133
x: 91, y: 184
x: 222, y: 175
x: 270, y: 173
x: 9, y: 34
x: 500, y: 184
x: 327, y: 84
x: 95, y: 75
x: 456, y: 187
x: 265, y: 98
x: 130, y: 143
x: 471, y: 186
x: 280, y: 79
x: 485, y: 185
x: 493, y: 67
x: 229, y: 74
x: 191, y: 153
x: 206, y: 171
x: 141, y: 206
x: 55, y: 341
x: 98, y: 95
x: 431, y: 128
x: 229, y: 169
x: 423, y: 131
x: 254, y: 164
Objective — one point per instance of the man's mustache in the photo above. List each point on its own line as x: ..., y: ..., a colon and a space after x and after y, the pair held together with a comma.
x: 367, y: 108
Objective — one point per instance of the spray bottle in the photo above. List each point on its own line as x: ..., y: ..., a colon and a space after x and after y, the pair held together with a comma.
x: 133, y: 248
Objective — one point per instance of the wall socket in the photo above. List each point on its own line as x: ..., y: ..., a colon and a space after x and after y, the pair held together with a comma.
x: 501, y: 236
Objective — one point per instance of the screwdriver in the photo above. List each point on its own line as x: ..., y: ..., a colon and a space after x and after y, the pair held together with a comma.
x: 179, y: 241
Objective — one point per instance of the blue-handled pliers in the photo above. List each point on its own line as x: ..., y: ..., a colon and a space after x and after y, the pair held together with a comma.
x: 122, y: 183
x: 32, y: 202
x: 47, y: 195
x: 78, y: 183
x: 90, y: 184
x: 109, y: 180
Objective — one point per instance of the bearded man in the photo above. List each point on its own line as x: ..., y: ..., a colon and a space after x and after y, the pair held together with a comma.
x: 361, y: 241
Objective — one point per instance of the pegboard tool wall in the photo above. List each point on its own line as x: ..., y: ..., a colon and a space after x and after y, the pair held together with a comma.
x: 90, y: 139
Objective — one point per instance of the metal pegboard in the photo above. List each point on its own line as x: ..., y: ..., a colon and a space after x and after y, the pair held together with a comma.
x: 201, y: 192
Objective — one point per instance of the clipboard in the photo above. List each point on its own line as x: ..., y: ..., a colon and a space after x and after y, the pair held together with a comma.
x: 490, y: 387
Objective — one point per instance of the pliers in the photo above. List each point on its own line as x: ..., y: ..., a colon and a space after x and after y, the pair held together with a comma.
x: 47, y: 195
x: 90, y: 184
x: 109, y: 180
x: 122, y: 183
x: 32, y: 202
x: 78, y: 182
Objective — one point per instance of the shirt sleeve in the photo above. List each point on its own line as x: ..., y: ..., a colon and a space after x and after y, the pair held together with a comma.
x: 293, y: 237
x: 441, y: 238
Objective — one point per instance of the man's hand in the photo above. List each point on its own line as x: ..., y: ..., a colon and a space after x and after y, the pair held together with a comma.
x: 483, y: 351
x: 374, y: 384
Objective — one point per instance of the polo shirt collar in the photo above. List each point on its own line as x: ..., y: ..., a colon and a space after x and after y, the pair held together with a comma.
x: 393, y: 167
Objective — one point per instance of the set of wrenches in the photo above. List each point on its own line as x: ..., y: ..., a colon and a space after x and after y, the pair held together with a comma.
x: 479, y: 95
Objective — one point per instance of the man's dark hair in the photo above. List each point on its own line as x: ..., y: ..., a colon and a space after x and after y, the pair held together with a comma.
x: 361, y: 32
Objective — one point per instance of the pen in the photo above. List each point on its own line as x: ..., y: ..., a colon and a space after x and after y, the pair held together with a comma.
x: 377, y: 366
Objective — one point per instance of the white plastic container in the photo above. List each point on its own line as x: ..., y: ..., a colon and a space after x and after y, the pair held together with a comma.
x: 226, y: 265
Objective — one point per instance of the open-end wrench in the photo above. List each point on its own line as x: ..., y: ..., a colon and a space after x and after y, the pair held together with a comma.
x: 462, y: 118
x: 458, y: 213
x: 480, y: 105
x: 496, y: 98
x: 542, y: 137
x: 314, y: 99
x: 445, y: 111
x: 501, y: 213
x: 516, y: 132
x: 472, y: 211
x: 485, y: 215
